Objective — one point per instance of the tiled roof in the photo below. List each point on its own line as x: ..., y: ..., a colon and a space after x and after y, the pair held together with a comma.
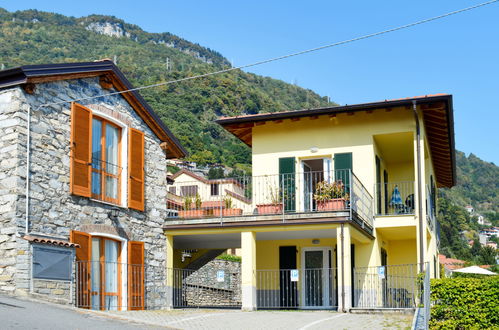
x: 49, y: 241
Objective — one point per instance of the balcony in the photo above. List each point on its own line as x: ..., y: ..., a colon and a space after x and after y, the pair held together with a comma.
x: 311, y: 196
x: 395, y: 198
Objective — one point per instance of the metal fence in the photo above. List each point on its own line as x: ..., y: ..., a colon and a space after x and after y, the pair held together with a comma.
x: 109, y: 285
x: 297, y: 288
x: 314, y: 191
x: 395, y: 198
x: 206, y: 287
x: 393, y: 286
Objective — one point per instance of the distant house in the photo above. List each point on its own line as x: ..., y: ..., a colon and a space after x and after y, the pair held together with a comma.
x: 450, y: 264
x: 470, y: 209
x: 215, y: 196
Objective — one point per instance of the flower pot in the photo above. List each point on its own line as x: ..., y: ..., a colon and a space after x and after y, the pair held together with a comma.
x: 269, y: 208
x: 228, y: 212
x: 331, y: 204
x: 191, y: 214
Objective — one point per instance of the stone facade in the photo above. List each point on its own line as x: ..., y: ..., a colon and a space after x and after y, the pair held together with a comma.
x: 54, y: 212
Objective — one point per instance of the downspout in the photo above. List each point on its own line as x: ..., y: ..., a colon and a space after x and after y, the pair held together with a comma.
x: 420, y: 196
x: 342, y: 271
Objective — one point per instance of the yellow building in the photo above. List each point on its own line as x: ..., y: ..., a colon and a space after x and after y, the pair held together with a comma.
x: 343, y: 206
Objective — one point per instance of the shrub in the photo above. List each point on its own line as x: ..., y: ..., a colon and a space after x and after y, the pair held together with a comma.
x: 229, y: 257
x: 465, y: 303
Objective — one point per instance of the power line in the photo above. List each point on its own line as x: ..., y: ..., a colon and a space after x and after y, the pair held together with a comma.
x: 367, y: 36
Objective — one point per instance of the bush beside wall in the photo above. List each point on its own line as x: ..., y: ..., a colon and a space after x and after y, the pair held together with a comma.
x: 465, y: 303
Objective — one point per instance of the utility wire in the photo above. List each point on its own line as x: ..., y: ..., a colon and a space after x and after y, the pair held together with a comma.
x: 367, y: 36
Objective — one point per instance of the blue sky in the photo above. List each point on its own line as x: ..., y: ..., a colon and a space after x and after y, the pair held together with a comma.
x: 457, y: 55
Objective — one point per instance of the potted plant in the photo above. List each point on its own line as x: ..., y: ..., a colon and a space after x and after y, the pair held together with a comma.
x: 330, y: 196
x: 275, y: 206
x: 187, y: 212
x: 227, y: 210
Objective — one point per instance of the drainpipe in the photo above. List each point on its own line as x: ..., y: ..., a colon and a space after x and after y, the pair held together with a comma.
x: 420, y: 196
x: 342, y: 271
x: 28, y: 161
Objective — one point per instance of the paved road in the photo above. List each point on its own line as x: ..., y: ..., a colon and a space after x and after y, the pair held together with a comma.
x: 22, y: 314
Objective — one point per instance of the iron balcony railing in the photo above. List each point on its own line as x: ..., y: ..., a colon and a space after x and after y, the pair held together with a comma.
x: 392, y: 286
x: 337, y: 191
x: 394, y: 198
x: 100, y: 285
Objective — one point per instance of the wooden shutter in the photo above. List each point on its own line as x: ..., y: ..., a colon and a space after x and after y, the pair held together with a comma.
x: 135, y: 275
x: 83, y: 267
x: 343, y: 162
x: 287, y: 182
x: 136, y: 170
x: 81, y: 150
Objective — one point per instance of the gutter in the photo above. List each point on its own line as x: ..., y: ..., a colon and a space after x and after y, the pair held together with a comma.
x: 420, y: 196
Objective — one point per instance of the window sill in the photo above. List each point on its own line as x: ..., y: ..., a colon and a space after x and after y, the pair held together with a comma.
x: 108, y: 203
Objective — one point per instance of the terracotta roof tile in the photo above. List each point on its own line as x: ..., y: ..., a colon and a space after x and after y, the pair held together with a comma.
x: 49, y: 241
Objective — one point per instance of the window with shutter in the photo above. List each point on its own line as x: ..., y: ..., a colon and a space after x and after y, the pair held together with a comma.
x: 136, y: 170
x: 135, y: 275
x: 81, y: 125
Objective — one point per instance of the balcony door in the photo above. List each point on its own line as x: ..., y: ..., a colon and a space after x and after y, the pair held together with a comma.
x: 105, y: 279
x: 313, y: 172
x: 317, y: 277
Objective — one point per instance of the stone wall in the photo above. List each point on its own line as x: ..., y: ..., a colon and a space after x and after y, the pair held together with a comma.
x: 12, y: 171
x: 54, y: 212
x: 201, y: 287
x: 57, y: 291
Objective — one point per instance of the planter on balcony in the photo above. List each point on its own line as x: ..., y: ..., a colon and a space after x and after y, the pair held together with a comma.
x: 228, y: 212
x: 269, y: 208
x: 191, y: 213
x: 331, y: 204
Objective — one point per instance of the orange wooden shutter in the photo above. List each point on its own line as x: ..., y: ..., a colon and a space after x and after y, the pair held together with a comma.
x: 83, y: 267
x: 136, y: 170
x: 135, y: 275
x: 81, y: 150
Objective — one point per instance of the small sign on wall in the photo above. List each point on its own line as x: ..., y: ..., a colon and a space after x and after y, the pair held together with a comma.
x: 294, y: 275
x: 220, y: 276
x: 381, y: 272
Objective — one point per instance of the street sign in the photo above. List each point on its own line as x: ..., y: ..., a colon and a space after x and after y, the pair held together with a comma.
x: 381, y: 272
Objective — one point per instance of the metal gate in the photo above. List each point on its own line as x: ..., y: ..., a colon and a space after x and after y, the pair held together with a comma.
x: 207, y: 287
x: 393, y: 286
x: 297, y: 288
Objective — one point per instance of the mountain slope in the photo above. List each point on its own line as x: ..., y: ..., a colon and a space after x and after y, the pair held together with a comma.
x: 188, y: 108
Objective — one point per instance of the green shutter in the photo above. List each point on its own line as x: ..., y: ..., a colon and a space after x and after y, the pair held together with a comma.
x: 287, y: 182
x: 343, y: 162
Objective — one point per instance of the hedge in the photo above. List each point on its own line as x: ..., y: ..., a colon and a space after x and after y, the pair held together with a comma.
x: 465, y: 303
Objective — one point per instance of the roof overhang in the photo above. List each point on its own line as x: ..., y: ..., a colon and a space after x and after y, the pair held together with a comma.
x: 110, y: 76
x: 437, y: 114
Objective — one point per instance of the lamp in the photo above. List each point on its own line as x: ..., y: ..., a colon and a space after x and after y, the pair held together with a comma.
x: 113, y: 214
x: 314, y: 149
x: 316, y: 241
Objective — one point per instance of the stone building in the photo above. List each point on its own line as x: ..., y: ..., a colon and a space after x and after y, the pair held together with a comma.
x: 90, y: 231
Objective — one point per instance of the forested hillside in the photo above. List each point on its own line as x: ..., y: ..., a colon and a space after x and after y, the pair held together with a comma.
x: 188, y: 108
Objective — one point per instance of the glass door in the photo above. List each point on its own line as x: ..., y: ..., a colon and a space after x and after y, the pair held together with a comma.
x: 105, y: 274
x: 316, y: 273
x: 308, y: 190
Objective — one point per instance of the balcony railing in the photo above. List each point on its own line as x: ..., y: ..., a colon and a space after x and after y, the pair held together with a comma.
x: 395, y: 198
x: 337, y: 192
